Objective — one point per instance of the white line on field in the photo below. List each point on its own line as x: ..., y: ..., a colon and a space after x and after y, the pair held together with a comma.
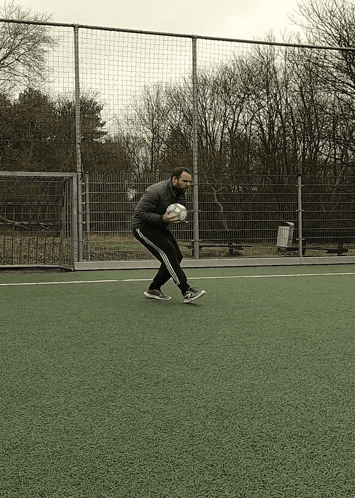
x: 218, y: 277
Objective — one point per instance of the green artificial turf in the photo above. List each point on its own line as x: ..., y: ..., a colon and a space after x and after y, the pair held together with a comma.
x: 247, y: 393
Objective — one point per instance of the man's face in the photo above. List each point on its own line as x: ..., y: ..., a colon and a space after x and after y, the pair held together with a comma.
x: 183, y: 183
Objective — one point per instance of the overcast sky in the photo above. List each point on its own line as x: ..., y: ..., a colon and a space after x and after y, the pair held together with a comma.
x: 241, y: 19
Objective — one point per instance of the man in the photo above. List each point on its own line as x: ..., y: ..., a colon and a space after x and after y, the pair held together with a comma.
x: 151, y: 226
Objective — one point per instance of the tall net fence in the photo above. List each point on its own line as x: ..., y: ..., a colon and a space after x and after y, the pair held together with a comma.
x: 127, y: 71
x: 122, y: 109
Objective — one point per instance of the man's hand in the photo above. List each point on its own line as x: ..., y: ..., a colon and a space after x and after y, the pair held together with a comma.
x: 169, y: 218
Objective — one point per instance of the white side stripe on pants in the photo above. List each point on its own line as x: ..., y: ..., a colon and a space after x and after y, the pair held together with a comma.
x: 163, y: 256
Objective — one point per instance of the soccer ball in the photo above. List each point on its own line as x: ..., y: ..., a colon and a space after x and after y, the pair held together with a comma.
x: 177, y: 210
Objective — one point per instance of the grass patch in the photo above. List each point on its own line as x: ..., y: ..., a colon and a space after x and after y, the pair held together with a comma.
x: 248, y: 393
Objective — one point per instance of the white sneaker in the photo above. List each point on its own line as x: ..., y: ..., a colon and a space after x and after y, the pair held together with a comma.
x: 193, y: 294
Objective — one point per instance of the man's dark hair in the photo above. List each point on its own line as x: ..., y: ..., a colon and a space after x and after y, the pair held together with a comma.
x: 179, y: 171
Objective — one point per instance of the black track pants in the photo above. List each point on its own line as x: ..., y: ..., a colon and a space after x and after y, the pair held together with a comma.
x: 165, y: 248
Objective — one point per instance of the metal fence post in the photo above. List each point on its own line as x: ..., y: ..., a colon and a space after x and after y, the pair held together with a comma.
x: 74, y: 218
x: 300, y: 215
x: 79, y: 169
x: 87, y: 216
x: 196, y: 229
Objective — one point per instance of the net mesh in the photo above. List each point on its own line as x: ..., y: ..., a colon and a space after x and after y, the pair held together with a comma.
x: 117, y: 105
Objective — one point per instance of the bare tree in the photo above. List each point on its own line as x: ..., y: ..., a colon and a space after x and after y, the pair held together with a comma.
x: 150, y: 121
x: 23, y: 47
x: 326, y: 22
x: 331, y: 23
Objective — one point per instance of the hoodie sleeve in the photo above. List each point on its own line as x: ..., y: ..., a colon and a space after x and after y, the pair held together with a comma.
x: 147, y: 208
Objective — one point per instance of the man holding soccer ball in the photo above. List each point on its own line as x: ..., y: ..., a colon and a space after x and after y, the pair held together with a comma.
x: 151, y: 226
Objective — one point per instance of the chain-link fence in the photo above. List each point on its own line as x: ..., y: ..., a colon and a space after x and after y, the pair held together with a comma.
x: 266, y: 127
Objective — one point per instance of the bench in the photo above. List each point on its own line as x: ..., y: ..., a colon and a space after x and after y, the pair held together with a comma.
x: 339, y: 250
x: 206, y: 244
x: 284, y: 243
